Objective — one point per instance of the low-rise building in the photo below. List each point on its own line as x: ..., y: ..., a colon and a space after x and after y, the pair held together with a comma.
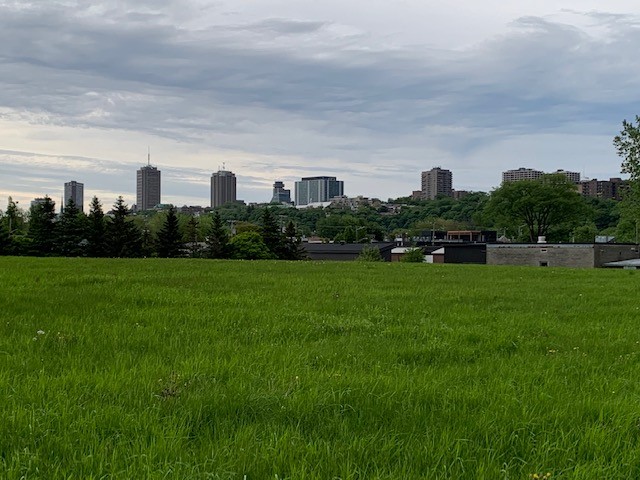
x: 575, y: 255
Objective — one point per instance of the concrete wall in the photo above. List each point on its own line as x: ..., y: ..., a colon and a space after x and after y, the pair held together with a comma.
x: 536, y: 255
x: 559, y: 255
x: 605, y: 253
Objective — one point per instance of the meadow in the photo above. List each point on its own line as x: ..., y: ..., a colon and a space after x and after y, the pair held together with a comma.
x: 298, y: 370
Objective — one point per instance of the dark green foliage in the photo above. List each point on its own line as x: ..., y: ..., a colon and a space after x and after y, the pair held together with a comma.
x: 249, y: 246
x: 370, y: 253
x: 71, y: 231
x: 271, y: 234
x: 627, y: 146
x: 169, y: 241
x: 124, y: 238
x: 42, y: 228
x: 415, y: 255
x: 5, y: 239
x: 538, y: 205
x: 96, y: 236
x: 191, y: 237
x: 292, y: 249
x: 218, y: 239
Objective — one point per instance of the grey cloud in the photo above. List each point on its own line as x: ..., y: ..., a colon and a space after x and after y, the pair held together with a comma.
x: 325, y: 97
x: 283, y: 26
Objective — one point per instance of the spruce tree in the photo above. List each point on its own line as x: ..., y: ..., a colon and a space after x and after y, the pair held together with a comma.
x: 292, y: 244
x: 42, y: 228
x: 191, y: 237
x: 218, y: 239
x: 271, y: 234
x: 124, y: 237
x: 71, y: 231
x: 5, y: 239
x: 169, y: 239
x: 96, y: 236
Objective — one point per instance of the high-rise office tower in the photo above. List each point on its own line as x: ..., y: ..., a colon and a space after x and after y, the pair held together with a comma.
x: 435, y: 182
x: 147, y: 186
x: 280, y: 194
x: 318, y: 189
x: 75, y: 191
x: 223, y: 188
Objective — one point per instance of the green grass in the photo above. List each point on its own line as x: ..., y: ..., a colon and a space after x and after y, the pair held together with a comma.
x: 264, y: 370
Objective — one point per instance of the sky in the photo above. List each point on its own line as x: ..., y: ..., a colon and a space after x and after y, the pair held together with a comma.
x: 370, y: 91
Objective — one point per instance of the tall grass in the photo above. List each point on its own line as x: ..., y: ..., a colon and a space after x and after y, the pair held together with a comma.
x: 221, y: 369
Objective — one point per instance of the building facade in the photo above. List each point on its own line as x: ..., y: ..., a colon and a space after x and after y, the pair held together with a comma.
x: 147, y: 188
x: 280, y: 194
x: 573, y: 177
x: 531, y: 174
x: 223, y: 188
x: 521, y: 174
x: 436, y: 182
x: 611, y: 189
x: 318, y: 189
x: 74, y: 191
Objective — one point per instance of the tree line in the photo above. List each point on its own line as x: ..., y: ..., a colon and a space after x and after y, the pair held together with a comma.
x: 120, y: 234
x: 520, y: 211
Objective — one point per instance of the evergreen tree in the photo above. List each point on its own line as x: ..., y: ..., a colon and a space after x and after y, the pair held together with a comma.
x: 191, y: 237
x: 96, y: 236
x: 218, y: 239
x: 5, y: 239
x: 71, y: 231
x: 169, y: 240
x: 42, y: 227
x: 124, y: 238
x: 271, y: 234
x: 292, y: 244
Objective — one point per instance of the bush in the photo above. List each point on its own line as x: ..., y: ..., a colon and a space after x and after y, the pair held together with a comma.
x: 415, y: 255
x: 370, y: 254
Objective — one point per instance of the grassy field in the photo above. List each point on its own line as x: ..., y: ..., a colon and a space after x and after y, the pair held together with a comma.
x: 272, y: 370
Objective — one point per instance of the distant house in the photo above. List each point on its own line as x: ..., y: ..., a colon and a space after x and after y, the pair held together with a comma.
x: 575, y: 255
x: 344, y: 251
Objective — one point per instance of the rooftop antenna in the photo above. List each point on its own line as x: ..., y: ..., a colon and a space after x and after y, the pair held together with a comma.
x: 148, y: 156
x: 224, y: 166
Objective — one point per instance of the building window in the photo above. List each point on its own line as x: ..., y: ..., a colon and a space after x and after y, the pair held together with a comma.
x: 543, y: 264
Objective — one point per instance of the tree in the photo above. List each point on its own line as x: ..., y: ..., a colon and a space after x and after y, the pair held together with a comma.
x: 292, y: 249
x: 5, y: 239
x: 169, y: 239
x: 124, y: 238
x: 249, y: 246
x: 71, y: 231
x: 537, y: 205
x: 271, y: 234
x: 218, y: 238
x: 627, y: 146
x: 97, y: 246
x: 191, y: 237
x: 42, y: 227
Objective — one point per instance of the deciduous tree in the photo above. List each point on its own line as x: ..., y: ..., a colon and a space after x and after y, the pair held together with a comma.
x: 536, y: 205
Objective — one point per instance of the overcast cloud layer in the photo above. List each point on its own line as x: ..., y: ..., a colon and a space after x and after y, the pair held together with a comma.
x: 372, y: 92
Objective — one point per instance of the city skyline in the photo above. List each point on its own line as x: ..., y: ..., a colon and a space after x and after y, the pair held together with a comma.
x: 281, y: 90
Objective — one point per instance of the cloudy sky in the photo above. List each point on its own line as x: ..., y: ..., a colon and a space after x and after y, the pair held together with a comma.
x: 370, y: 91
